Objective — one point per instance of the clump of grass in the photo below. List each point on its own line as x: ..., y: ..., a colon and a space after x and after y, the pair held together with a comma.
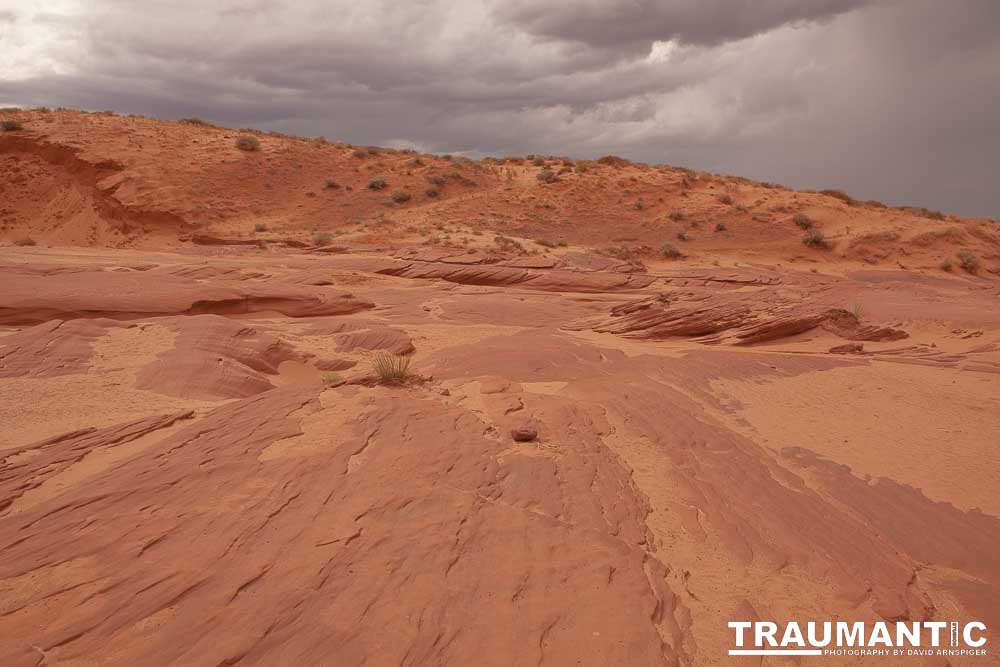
x: 435, y: 179
x: 260, y: 227
x: 11, y: 126
x: 310, y: 194
x: 676, y: 216
x: 196, y: 121
x: 815, y: 239
x: 720, y: 226
x: 682, y: 234
x: 322, y: 238
x: 802, y: 220
x: 725, y: 199
x: 538, y: 162
x: 331, y: 184
x: 547, y: 176
x: 946, y: 265
x: 670, y: 251
x: 391, y: 369
x: 24, y: 241
x: 400, y: 196
x: 638, y: 205
x: 969, y: 262
x: 432, y: 192
x: 247, y: 143
x: 332, y: 378
x: 857, y: 311
x: 545, y: 243
x: 377, y: 184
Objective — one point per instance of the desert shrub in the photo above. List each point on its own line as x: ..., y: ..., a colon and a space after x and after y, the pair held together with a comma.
x: 720, y: 226
x: 546, y: 243
x: 638, y: 205
x: 360, y: 153
x: 538, y: 162
x: 24, y: 241
x: 802, y: 220
x: 564, y: 170
x: 260, y: 227
x: 391, y: 369
x: 874, y: 203
x: 682, y: 234
x: 933, y: 215
x: 946, y: 265
x: 725, y: 199
x: 377, y: 184
x: 547, y: 176
x: 676, y: 216
x: 857, y: 311
x: 310, y: 194
x: 670, y: 250
x: 331, y: 184
x: 434, y: 179
x: 196, y: 121
x: 968, y: 261
x: 613, y: 161
x: 400, y: 196
x: 839, y: 194
x: 432, y: 192
x: 322, y: 238
x: 11, y: 126
x: 247, y: 143
x: 815, y: 239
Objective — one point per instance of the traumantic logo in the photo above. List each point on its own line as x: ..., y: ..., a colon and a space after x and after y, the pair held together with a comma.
x: 845, y: 638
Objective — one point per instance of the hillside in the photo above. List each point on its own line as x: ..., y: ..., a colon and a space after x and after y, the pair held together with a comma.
x: 600, y: 452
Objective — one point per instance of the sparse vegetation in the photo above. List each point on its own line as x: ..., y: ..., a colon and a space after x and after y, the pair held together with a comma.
x: 638, y: 205
x: 802, y: 220
x: 331, y: 184
x: 332, y: 378
x: 432, y: 192
x: 11, y: 126
x: 841, y: 195
x: 377, y: 184
x: 322, y: 238
x: 725, y: 199
x: 720, y: 226
x: 391, y: 369
x: 545, y: 243
x: 400, y: 196
x: 613, y: 161
x: 969, y: 262
x: 682, y: 234
x: 538, y: 162
x: 670, y: 251
x: 676, y: 216
x: 946, y: 265
x: 547, y: 176
x: 24, y: 241
x: 857, y: 311
x: 260, y: 227
x: 196, y: 121
x: 815, y: 239
x: 310, y: 194
x: 247, y: 143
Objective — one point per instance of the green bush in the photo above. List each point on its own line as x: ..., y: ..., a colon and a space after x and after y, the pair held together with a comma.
x: 247, y: 143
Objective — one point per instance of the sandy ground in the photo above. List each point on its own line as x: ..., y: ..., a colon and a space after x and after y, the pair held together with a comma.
x: 200, y: 467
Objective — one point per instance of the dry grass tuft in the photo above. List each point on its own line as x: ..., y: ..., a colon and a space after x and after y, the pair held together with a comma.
x: 392, y: 369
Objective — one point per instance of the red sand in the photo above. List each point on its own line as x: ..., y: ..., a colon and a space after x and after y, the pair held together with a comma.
x: 199, y: 467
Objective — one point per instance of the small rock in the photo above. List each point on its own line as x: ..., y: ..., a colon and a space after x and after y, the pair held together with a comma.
x: 445, y: 392
x: 523, y: 433
x: 848, y: 348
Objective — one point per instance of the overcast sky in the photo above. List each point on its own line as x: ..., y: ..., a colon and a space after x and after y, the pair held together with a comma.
x: 895, y: 100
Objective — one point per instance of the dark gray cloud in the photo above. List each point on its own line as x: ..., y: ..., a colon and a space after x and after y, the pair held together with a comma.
x: 891, y: 100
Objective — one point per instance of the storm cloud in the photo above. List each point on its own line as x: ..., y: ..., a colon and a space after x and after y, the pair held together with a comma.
x: 890, y: 100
